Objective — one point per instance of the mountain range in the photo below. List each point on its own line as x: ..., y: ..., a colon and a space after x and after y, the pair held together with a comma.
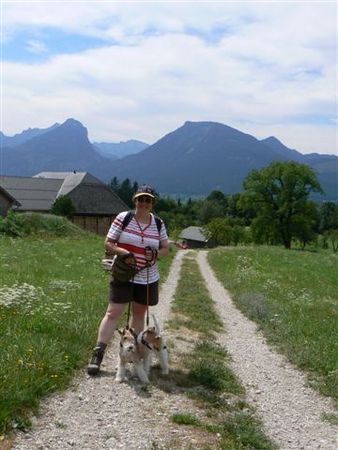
x: 193, y: 160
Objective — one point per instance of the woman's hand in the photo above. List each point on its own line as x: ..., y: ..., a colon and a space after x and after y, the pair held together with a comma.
x: 150, y: 254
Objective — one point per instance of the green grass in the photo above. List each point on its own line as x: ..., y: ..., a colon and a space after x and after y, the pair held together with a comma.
x: 209, y: 380
x: 57, y: 294
x: 293, y: 296
x: 192, y: 301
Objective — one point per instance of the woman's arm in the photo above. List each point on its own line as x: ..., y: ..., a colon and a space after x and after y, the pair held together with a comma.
x: 112, y: 249
x: 164, y: 248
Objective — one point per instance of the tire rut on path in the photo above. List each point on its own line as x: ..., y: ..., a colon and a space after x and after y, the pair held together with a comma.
x: 97, y: 413
x: 290, y: 411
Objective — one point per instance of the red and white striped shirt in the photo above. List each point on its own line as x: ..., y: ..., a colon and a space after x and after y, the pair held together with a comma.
x: 135, y: 238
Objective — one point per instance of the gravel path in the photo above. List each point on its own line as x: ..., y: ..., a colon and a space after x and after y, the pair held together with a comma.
x: 290, y: 411
x: 98, y: 413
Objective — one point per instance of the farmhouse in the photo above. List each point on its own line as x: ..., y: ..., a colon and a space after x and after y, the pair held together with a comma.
x: 95, y: 204
x: 194, y: 237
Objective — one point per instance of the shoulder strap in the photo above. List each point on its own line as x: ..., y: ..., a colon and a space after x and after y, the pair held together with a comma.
x: 127, y: 218
x: 158, y: 224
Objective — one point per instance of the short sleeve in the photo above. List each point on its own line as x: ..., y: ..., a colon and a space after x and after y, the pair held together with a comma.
x: 115, y: 229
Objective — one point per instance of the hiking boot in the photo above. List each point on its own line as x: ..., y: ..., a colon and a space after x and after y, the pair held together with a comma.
x: 93, y: 367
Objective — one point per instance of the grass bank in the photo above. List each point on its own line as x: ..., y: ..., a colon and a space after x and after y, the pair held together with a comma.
x: 52, y: 298
x: 201, y: 369
x: 292, y: 295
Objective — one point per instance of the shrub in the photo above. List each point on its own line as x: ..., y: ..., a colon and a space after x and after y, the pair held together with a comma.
x: 24, y: 224
x: 63, y: 206
x: 12, y: 224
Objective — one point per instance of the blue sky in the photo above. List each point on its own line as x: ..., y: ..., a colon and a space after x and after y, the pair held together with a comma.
x: 139, y: 70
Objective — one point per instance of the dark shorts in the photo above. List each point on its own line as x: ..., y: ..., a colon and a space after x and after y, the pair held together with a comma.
x: 120, y: 292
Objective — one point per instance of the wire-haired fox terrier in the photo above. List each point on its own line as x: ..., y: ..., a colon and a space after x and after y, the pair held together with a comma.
x: 138, y: 349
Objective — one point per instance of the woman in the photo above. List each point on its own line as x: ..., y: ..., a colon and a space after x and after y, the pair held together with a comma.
x: 143, y: 240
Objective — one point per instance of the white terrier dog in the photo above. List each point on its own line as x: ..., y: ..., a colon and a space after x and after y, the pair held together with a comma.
x: 129, y: 353
x: 138, y: 349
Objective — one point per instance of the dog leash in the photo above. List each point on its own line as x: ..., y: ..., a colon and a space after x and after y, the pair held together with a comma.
x: 129, y: 305
x: 147, y: 316
x: 148, y: 296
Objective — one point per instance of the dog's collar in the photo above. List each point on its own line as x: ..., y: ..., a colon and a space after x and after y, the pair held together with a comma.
x: 141, y: 340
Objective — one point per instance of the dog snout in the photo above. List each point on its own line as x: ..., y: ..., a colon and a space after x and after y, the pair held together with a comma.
x: 130, y: 348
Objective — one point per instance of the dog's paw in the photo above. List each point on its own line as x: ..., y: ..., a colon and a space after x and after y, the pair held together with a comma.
x: 120, y: 379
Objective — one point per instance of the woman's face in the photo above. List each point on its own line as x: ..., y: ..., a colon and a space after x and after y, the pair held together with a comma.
x: 144, y: 203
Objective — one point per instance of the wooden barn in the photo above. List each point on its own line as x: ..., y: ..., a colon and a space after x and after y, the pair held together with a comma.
x: 95, y: 203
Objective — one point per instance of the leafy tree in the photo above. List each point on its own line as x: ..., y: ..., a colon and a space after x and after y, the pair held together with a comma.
x: 63, y: 206
x: 304, y: 223
x: 238, y: 234
x: 239, y: 209
x: 279, y: 192
x: 209, y: 210
x: 328, y: 213
x: 219, y: 198
x: 220, y: 231
x: 165, y: 204
x: 332, y: 237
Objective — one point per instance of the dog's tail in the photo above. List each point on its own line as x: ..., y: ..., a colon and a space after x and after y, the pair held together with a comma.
x: 157, y: 327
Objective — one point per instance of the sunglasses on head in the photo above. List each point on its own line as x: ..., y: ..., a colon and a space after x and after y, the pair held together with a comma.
x: 144, y: 198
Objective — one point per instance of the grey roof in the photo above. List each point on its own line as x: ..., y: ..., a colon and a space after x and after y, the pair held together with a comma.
x: 38, y: 193
x: 70, y: 180
x: 9, y: 196
x: 193, y: 234
x: 58, y: 175
x: 34, y: 194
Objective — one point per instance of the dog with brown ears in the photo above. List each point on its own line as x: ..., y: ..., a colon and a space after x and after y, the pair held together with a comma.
x: 138, y: 349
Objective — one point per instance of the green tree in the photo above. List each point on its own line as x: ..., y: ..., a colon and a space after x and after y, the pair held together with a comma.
x: 126, y: 192
x: 209, y: 210
x: 63, y: 206
x: 332, y: 237
x: 219, y: 198
x: 280, y: 192
x: 220, y: 231
x: 115, y: 185
x: 328, y: 213
x: 304, y: 224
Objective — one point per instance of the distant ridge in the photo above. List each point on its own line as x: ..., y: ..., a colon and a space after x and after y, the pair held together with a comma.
x: 192, y: 160
x: 119, y: 150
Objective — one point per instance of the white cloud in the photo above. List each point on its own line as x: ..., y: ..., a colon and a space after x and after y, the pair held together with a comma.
x: 34, y: 46
x: 274, y: 63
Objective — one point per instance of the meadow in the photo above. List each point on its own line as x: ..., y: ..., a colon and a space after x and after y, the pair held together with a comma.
x: 293, y: 297
x: 53, y: 293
